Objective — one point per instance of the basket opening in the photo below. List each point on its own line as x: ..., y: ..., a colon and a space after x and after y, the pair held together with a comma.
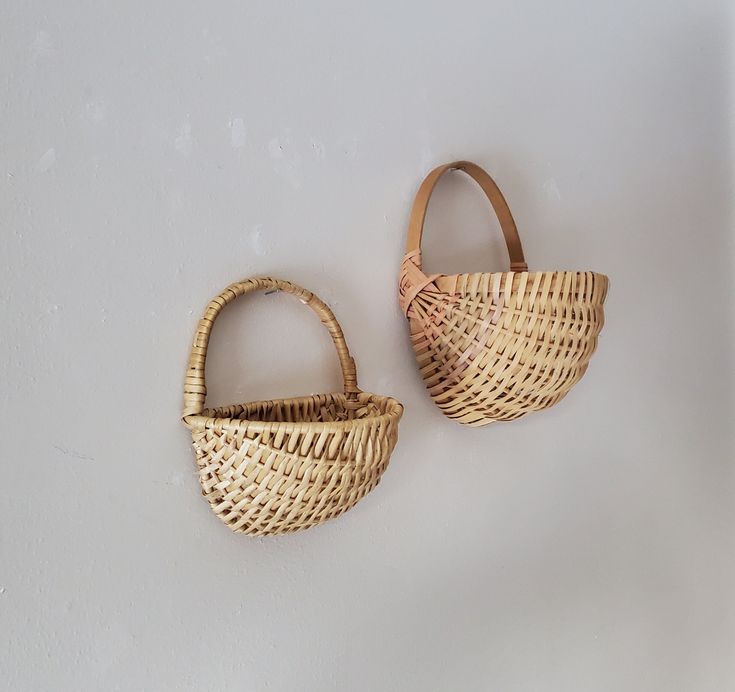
x: 319, y: 408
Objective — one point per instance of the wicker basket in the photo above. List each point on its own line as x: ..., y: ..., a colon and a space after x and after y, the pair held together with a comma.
x: 272, y: 467
x: 496, y: 346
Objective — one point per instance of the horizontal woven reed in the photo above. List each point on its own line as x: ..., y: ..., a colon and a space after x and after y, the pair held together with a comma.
x: 274, y: 467
x: 496, y: 346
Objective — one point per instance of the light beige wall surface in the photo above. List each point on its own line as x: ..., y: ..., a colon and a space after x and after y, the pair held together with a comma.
x: 152, y: 152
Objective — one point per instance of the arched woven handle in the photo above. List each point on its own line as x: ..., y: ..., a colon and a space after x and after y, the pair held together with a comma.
x: 195, y: 388
x: 507, y: 224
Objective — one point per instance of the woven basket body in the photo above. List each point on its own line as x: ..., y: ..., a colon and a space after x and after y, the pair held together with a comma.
x: 496, y: 346
x: 273, y: 467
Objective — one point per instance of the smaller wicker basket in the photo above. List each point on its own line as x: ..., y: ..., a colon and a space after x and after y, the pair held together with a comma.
x: 496, y: 346
x: 273, y: 467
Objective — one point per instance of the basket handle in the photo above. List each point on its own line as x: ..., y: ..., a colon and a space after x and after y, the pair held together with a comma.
x: 195, y: 388
x: 489, y: 187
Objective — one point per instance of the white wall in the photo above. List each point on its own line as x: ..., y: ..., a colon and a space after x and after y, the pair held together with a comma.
x: 152, y: 152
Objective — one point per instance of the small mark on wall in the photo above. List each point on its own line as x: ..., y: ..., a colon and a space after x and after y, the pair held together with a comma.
x: 258, y: 241
x: 73, y: 453
x: 175, y: 480
x: 212, y: 43
x: 47, y: 161
x: 320, y: 152
x: 237, y: 133
x: 275, y: 148
x: 351, y: 148
x: 183, y: 141
x: 42, y: 47
x: 551, y: 189
x: 286, y: 161
x: 95, y: 111
x: 427, y: 159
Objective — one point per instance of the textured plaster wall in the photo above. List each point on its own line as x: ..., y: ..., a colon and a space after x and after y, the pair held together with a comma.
x: 152, y: 152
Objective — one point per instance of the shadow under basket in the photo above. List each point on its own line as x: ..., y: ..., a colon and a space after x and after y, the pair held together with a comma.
x: 274, y: 467
x: 496, y: 346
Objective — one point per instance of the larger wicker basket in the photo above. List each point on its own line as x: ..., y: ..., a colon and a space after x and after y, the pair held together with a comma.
x: 272, y: 467
x: 496, y: 346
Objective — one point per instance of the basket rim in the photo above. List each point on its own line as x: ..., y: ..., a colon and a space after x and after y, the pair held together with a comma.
x: 206, y: 422
x: 537, y: 271
x: 449, y: 283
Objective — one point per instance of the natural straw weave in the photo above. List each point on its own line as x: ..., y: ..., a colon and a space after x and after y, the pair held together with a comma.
x: 496, y: 346
x: 272, y: 467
